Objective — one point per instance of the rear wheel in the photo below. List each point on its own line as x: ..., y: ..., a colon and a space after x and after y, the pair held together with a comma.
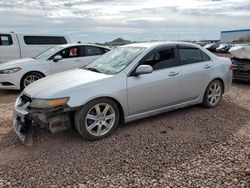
x: 213, y: 94
x: 97, y: 119
x: 30, y: 78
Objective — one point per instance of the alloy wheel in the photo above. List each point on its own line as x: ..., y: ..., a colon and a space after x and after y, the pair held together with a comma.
x: 30, y: 79
x: 214, y: 93
x: 100, y: 119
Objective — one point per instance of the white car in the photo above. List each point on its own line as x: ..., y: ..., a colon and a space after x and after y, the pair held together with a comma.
x: 18, y: 74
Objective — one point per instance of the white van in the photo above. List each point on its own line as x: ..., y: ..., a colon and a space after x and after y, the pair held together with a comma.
x: 17, y: 46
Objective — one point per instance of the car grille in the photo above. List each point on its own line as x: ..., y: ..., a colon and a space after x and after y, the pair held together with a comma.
x: 242, y: 66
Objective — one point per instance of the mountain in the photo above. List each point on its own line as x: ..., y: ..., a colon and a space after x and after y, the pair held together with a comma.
x: 118, y: 42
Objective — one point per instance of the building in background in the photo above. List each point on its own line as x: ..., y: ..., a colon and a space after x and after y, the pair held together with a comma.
x: 242, y: 35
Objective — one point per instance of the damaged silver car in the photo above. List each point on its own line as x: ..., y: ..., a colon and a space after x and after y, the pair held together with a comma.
x: 128, y: 83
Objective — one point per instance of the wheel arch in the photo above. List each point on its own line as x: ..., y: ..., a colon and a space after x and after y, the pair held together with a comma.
x: 121, y: 110
x: 29, y: 72
x: 222, y: 83
x: 217, y: 78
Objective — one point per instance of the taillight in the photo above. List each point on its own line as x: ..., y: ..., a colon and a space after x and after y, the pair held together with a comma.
x: 233, y: 67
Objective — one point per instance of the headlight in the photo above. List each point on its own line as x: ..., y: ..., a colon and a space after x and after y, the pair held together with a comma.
x: 48, y: 103
x: 11, y: 70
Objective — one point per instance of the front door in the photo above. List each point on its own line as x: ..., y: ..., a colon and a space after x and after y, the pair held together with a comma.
x: 156, y: 90
x: 72, y: 57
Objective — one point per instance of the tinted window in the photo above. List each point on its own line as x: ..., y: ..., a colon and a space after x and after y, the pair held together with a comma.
x: 190, y: 55
x: 205, y: 57
x: 161, y: 59
x: 76, y: 51
x: 92, y: 50
x: 5, y: 40
x: 44, y: 40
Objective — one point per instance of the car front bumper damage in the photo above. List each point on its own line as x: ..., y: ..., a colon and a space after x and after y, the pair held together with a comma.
x: 242, y: 69
x: 26, y: 119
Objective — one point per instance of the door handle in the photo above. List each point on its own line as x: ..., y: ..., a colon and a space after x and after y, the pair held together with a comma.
x: 173, y: 73
x: 207, y: 66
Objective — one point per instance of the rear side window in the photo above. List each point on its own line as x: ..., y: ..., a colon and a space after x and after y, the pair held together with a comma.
x: 190, y: 55
x: 44, y: 40
x: 161, y: 59
x: 5, y: 40
x: 93, y: 50
x: 205, y: 57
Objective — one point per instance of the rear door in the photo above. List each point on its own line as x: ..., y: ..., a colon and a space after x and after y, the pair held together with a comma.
x: 9, y: 48
x: 156, y: 90
x: 195, y: 67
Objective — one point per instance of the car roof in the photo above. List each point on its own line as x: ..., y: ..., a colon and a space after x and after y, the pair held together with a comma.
x: 81, y: 44
x: 159, y: 44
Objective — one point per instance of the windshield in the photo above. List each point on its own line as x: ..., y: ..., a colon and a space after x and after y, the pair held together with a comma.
x: 48, y: 53
x: 115, y: 60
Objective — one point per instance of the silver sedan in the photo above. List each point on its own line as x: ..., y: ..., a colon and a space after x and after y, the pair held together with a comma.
x: 128, y: 83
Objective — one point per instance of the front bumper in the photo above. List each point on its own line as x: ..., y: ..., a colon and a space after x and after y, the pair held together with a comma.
x: 22, y: 126
x: 241, y: 76
x: 10, y: 81
x: 26, y: 119
x: 241, y: 71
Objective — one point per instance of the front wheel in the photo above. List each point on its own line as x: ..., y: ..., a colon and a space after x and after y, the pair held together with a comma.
x: 97, y: 119
x: 30, y: 78
x: 213, y: 94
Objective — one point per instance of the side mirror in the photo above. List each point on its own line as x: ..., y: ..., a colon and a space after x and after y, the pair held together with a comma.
x: 57, y: 58
x: 143, y: 69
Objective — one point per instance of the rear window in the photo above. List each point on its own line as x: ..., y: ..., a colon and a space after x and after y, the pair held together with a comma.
x: 205, y: 57
x: 44, y: 40
x: 5, y: 40
x: 92, y: 50
x: 191, y: 55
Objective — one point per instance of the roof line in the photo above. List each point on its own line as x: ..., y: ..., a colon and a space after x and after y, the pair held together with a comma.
x: 232, y: 31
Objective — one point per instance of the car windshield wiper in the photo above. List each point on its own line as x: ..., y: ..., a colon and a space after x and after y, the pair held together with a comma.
x: 91, y: 69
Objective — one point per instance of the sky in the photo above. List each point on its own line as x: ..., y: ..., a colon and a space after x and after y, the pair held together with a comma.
x: 135, y: 20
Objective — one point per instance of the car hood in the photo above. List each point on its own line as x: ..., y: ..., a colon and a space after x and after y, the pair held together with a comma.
x: 16, y: 63
x: 57, y: 85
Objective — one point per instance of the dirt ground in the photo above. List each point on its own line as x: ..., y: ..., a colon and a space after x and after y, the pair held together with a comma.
x: 190, y: 147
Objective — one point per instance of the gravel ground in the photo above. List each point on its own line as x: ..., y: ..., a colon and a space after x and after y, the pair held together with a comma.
x: 190, y: 147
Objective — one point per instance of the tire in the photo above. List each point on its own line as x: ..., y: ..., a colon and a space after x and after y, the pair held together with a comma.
x: 29, y: 78
x: 213, y: 94
x: 93, y: 125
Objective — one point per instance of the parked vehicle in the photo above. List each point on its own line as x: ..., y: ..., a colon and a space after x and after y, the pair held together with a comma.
x: 202, y: 44
x: 241, y: 62
x: 223, y: 48
x: 17, y: 46
x: 211, y: 47
x: 128, y: 83
x: 18, y: 74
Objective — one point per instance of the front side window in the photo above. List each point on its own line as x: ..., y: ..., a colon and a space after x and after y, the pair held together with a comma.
x: 190, y: 55
x: 44, y: 40
x: 5, y: 40
x: 92, y: 50
x: 48, y: 53
x: 115, y: 60
x: 161, y: 59
x: 71, y: 52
